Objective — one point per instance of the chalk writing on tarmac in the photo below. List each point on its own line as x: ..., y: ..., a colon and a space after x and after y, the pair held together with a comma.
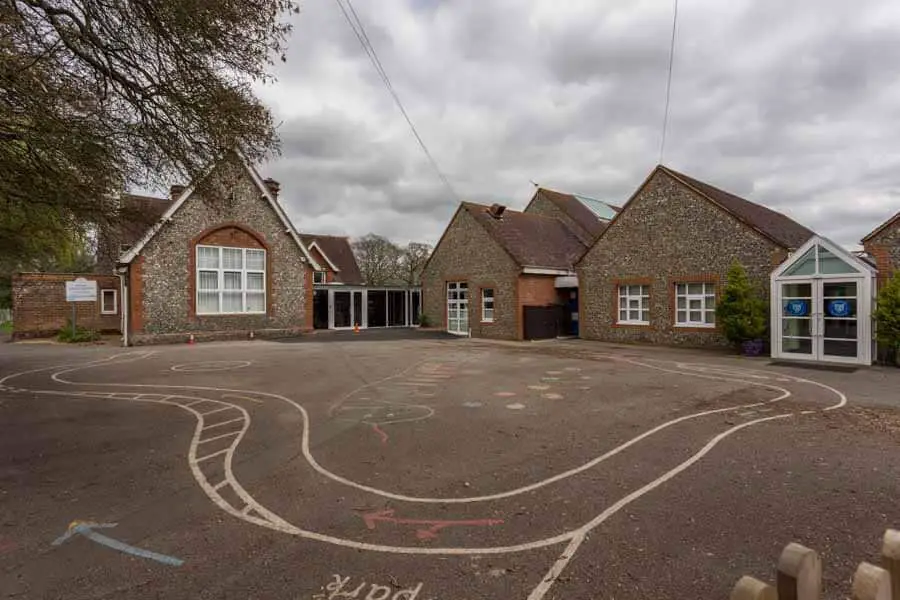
x: 342, y: 587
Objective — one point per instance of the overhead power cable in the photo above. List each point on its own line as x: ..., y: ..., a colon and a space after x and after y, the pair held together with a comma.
x: 356, y: 25
x: 662, y: 144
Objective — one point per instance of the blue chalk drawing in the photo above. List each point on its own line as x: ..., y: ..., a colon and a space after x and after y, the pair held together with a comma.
x: 86, y: 529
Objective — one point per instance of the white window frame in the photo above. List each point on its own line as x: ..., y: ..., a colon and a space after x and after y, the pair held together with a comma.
x: 708, y: 289
x: 484, y: 305
x: 115, y: 294
x: 324, y: 275
x: 643, y: 298
x: 220, y: 286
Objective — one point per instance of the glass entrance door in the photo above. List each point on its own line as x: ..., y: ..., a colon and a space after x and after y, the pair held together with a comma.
x: 458, y: 307
x: 819, y: 320
x: 838, y: 320
x: 347, y: 308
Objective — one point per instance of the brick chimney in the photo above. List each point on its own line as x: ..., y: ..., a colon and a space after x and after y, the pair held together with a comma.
x: 273, y: 186
x: 175, y: 192
x: 497, y: 210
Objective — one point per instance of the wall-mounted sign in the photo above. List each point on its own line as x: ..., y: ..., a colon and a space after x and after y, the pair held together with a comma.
x: 81, y: 290
x: 839, y: 308
x: 796, y: 308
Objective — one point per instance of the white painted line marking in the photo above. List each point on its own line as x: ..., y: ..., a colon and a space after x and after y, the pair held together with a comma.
x: 213, y: 455
x: 223, y: 423
x: 747, y: 414
x: 240, y: 397
x: 220, y: 485
x: 515, y: 406
x: 504, y: 394
x: 201, y: 401
x: 218, y: 410
x: 552, y: 396
x: 247, y: 509
x: 219, y: 437
x: 539, y: 387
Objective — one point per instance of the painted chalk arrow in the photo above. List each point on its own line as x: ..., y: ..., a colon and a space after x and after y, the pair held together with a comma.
x: 86, y: 529
x: 427, y: 529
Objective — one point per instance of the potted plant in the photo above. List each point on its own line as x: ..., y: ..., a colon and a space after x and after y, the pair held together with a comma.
x: 887, y: 319
x: 742, y: 312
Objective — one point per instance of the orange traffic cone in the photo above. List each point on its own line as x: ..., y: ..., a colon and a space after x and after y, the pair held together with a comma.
x: 356, y: 328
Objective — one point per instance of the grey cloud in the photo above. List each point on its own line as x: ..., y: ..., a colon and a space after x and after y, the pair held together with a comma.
x: 796, y: 105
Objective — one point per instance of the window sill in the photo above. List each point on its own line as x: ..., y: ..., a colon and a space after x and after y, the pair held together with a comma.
x: 632, y: 323
x: 487, y: 322
x: 231, y: 314
x: 109, y: 314
x: 695, y: 326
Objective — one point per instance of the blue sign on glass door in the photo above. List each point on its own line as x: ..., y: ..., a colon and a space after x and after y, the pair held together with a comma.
x: 796, y: 308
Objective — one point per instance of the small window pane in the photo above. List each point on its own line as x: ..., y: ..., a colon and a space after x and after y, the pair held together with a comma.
x: 695, y: 316
x: 632, y: 304
x: 696, y: 304
x: 256, y: 302
x: 805, y: 265
x: 488, y: 293
x: 682, y: 302
x: 254, y: 281
x: 232, y: 280
x: 710, y: 302
x: 681, y: 289
x: 207, y: 258
x: 623, y: 315
x: 635, y: 290
x: 645, y: 316
x: 232, y: 258
x: 209, y: 280
x: 256, y: 260
x: 710, y: 317
x: 208, y: 302
x: 232, y: 302
x: 682, y: 316
x: 623, y: 302
x: 695, y: 289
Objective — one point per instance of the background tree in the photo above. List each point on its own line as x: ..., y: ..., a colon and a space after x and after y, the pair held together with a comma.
x: 412, y: 261
x: 887, y: 318
x: 98, y: 96
x: 378, y: 259
x: 741, y: 311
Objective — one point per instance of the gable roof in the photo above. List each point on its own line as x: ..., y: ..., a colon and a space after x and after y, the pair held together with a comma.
x: 135, y: 250
x: 137, y: 213
x: 587, y: 213
x: 531, y: 240
x: 889, y: 223
x: 779, y: 228
x: 337, y: 252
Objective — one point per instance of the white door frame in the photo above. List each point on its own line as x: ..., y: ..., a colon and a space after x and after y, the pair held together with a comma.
x: 460, y: 304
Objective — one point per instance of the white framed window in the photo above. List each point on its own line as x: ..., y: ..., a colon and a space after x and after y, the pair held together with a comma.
x: 695, y: 304
x: 230, y: 280
x: 109, y: 302
x: 320, y: 277
x: 487, y: 305
x: 634, y: 304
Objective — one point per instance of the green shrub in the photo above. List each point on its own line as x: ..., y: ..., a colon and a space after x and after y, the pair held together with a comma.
x: 424, y: 321
x: 887, y: 316
x: 76, y: 335
x: 6, y: 327
x: 741, y: 311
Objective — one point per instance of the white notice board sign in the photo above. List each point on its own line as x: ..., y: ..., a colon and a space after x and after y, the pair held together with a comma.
x: 81, y: 290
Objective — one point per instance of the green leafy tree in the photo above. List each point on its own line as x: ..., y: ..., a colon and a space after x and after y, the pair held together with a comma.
x: 741, y: 311
x: 887, y: 315
x: 97, y: 96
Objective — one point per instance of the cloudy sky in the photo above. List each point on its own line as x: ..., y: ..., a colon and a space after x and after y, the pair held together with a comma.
x: 795, y: 105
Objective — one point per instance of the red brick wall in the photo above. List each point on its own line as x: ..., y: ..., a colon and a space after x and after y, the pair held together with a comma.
x: 534, y: 290
x: 40, y: 307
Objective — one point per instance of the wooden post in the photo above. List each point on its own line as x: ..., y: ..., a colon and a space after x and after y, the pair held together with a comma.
x: 799, y: 574
x: 750, y: 588
x: 890, y: 553
x: 871, y: 583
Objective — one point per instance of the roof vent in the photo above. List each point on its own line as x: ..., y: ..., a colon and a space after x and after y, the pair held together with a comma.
x: 175, y: 191
x: 497, y: 210
x: 273, y: 186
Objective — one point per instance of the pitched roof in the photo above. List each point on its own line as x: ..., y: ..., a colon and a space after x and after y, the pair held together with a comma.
x: 137, y: 213
x: 132, y: 253
x: 889, y: 223
x: 779, y: 228
x: 572, y: 206
x: 531, y: 240
x: 338, y: 254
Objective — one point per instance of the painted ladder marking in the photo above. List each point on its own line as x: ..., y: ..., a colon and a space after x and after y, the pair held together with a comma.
x: 220, y: 485
x: 213, y: 455
x: 213, y: 426
x: 218, y: 410
x: 219, y: 437
x: 201, y: 401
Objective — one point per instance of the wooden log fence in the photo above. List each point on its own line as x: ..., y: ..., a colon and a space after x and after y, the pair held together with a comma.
x: 799, y: 576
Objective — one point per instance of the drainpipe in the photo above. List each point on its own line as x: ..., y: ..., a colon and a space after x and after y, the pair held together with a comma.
x: 123, y: 296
